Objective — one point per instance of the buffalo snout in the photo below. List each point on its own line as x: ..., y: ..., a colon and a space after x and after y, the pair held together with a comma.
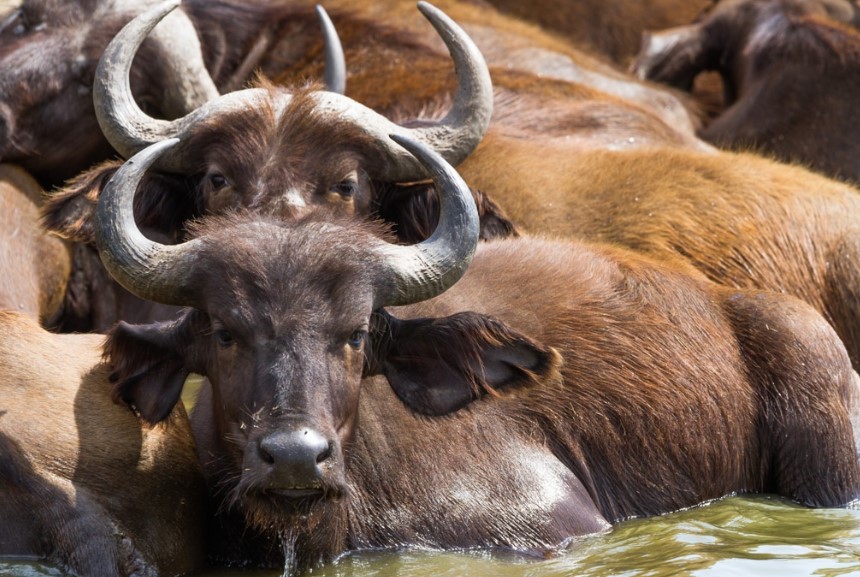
x: 293, y: 462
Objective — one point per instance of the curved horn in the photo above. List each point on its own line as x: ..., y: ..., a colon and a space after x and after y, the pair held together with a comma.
x: 129, y: 129
x: 150, y: 270
x: 456, y: 135
x: 186, y: 80
x: 462, y: 129
x: 335, y: 62
x: 422, y: 271
x: 125, y: 125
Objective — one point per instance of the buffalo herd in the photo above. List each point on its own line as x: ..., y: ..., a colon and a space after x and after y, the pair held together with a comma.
x: 466, y: 276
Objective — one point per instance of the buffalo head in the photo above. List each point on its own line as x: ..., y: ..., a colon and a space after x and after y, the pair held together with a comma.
x: 275, y: 150
x: 288, y: 318
x: 722, y: 39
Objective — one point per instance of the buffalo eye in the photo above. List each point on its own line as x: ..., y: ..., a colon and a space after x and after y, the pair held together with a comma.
x: 224, y: 338
x: 357, y: 338
x: 217, y: 181
x: 345, y: 188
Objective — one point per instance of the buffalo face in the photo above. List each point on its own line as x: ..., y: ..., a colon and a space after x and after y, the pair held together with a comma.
x: 282, y: 311
x: 284, y: 372
x: 287, y: 319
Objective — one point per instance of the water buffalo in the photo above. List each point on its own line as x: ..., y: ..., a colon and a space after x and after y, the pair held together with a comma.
x: 789, y: 70
x: 558, y: 387
x: 85, y: 485
x: 273, y: 150
x: 36, y: 264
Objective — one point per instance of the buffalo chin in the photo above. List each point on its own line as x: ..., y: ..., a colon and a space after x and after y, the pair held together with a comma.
x: 276, y: 508
x: 310, y: 530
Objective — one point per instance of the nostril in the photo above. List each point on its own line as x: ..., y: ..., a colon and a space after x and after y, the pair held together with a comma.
x: 266, y: 456
x: 325, y: 454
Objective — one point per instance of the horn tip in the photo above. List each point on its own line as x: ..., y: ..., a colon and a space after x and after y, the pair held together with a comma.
x: 428, y: 10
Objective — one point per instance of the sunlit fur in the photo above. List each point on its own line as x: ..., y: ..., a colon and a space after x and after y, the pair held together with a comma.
x: 35, y: 264
x: 88, y: 487
x: 742, y: 220
x: 612, y: 28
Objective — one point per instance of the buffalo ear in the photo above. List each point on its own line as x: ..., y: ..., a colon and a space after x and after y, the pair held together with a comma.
x: 161, y: 206
x: 674, y: 56
x: 71, y: 210
x: 413, y: 209
x: 151, y: 362
x: 437, y: 366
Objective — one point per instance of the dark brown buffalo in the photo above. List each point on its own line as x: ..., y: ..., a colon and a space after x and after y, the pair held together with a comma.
x: 85, y: 485
x: 274, y: 151
x: 585, y: 385
x: 789, y: 68
x: 48, y: 55
x: 34, y: 264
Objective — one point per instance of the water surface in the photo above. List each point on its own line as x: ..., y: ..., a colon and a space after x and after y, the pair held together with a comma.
x: 734, y: 537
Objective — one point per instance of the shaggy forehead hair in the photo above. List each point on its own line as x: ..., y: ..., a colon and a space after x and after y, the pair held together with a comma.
x: 298, y: 130
x: 251, y: 259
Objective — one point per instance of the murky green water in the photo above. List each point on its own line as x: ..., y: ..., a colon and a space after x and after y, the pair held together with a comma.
x: 730, y: 538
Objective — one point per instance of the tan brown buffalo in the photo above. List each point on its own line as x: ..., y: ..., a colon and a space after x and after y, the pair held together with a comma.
x: 85, y: 485
x: 394, y: 62
x: 564, y: 385
x: 34, y: 264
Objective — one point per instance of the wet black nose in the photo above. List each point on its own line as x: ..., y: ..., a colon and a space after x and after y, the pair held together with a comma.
x: 294, y: 457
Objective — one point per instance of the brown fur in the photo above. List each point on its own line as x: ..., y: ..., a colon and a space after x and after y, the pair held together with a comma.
x: 570, y: 354
x: 86, y: 486
x: 788, y: 68
x: 397, y: 65
x: 35, y: 263
x: 742, y: 220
